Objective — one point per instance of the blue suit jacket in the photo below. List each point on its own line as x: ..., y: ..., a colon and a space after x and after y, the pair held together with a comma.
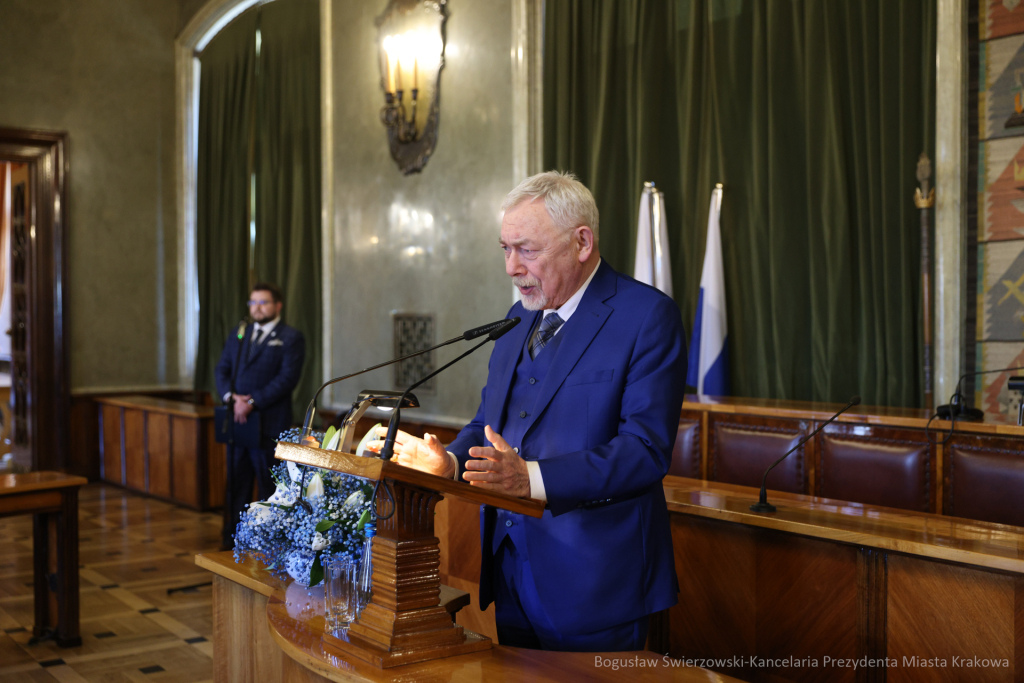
x: 269, y: 376
x: 602, y: 430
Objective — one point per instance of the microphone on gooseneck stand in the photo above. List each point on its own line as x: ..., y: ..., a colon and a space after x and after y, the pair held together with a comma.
x: 307, y: 423
x: 388, y: 449
x: 495, y: 331
x: 762, y: 505
x: 496, y: 328
x: 957, y: 408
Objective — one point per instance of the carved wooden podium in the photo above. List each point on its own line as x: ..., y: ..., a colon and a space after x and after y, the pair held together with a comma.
x: 404, y: 622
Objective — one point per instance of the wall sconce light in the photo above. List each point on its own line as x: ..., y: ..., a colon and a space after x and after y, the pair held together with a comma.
x: 411, y: 42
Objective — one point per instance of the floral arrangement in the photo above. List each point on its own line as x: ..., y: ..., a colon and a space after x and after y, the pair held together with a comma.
x: 313, y: 515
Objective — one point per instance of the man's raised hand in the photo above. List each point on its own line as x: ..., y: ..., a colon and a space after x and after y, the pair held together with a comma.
x: 498, y: 467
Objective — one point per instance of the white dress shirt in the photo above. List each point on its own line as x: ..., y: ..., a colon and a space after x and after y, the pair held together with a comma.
x: 564, y: 312
x: 260, y: 331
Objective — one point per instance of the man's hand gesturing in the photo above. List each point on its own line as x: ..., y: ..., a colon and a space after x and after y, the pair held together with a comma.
x: 426, y: 454
x: 498, y: 468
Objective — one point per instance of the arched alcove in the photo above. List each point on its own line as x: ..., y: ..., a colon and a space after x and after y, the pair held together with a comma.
x: 200, y: 30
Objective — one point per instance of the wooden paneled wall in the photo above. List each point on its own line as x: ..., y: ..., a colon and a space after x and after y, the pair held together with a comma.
x: 84, y: 457
x: 163, y: 454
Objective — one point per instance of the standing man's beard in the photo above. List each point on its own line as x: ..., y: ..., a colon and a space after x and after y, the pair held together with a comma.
x: 536, y: 300
x: 261, y: 318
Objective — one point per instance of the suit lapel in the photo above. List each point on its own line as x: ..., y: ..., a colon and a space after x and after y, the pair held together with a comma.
x: 579, y: 332
x: 516, y: 341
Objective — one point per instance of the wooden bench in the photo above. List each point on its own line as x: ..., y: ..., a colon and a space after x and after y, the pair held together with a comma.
x: 52, y: 500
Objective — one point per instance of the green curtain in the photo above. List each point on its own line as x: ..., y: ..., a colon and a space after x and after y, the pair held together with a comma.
x: 288, y: 247
x: 812, y: 113
x: 226, y: 94
x: 259, y: 114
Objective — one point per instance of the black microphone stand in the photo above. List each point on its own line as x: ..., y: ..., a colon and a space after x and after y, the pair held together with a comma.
x: 389, y: 443
x: 762, y: 505
x: 957, y: 408
x: 491, y: 329
x: 388, y: 449
x: 307, y: 424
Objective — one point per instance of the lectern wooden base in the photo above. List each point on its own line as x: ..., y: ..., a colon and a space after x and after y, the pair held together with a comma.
x: 404, y: 622
x: 372, y: 653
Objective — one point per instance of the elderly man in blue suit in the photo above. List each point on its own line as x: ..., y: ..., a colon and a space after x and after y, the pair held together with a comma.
x: 270, y: 356
x: 580, y: 409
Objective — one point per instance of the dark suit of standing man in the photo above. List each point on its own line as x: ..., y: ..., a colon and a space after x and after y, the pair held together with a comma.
x: 269, y: 365
x: 580, y: 409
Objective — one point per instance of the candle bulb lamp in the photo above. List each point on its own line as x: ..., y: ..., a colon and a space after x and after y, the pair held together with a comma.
x: 412, y: 30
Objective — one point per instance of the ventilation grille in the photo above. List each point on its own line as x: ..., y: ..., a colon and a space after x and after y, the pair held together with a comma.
x: 414, y: 332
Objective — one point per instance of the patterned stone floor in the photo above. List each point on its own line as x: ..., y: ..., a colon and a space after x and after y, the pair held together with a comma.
x: 132, y: 550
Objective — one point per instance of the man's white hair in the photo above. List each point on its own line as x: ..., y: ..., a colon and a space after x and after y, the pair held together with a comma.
x: 567, y: 200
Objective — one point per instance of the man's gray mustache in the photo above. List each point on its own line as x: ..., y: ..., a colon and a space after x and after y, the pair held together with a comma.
x: 525, y: 282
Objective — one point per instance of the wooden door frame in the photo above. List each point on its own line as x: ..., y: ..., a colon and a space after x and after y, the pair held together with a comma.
x: 48, y: 393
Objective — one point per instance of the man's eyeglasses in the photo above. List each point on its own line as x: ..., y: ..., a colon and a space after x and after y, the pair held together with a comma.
x: 260, y: 302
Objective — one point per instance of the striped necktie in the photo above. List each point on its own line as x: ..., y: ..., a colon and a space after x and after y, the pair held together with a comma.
x: 545, y: 333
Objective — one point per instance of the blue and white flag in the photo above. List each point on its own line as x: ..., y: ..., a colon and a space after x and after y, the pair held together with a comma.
x: 708, y: 369
x: 651, y: 265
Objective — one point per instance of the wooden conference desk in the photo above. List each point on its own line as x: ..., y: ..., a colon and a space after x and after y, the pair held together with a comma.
x: 256, y: 639
x: 872, y: 455
x: 822, y: 578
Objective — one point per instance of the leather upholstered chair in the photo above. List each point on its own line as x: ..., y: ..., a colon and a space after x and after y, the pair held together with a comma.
x: 742, y: 448
x: 985, y: 480
x: 875, y: 470
x: 686, y: 452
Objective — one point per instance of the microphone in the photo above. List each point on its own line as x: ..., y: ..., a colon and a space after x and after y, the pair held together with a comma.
x: 501, y: 330
x: 762, y: 505
x: 389, y: 442
x: 504, y: 325
x: 957, y: 408
x: 500, y: 327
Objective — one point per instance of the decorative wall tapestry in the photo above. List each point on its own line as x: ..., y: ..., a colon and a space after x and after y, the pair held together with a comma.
x: 1000, y: 331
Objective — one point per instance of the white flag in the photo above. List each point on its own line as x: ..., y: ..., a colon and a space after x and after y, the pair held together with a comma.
x: 708, y: 368
x: 652, y: 264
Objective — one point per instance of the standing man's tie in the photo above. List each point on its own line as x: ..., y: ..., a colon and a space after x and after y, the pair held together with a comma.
x: 545, y: 332
x: 257, y: 337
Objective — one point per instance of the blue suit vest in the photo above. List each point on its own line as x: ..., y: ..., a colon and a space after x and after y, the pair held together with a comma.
x: 519, y: 408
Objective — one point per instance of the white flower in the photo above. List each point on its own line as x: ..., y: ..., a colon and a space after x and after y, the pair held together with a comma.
x: 259, y: 513
x: 319, y: 542
x: 293, y: 471
x: 355, y: 499
x: 315, y: 488
x: 283, y: 495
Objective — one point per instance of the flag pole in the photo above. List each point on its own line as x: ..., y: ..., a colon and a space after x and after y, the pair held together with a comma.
x: 923, y: 200
x: 652, y: 230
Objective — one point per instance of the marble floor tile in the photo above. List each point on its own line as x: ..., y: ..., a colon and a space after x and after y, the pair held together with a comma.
x: 132, y: 550
x: 176, y: 664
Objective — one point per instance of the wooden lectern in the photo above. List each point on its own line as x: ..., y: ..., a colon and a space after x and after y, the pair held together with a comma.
x: 404, y: 622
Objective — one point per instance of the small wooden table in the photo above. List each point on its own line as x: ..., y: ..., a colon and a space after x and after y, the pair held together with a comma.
x: 52, y: 500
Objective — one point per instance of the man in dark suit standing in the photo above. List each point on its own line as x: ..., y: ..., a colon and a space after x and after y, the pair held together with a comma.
x: 269, y: 361
x: 580, y: 410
